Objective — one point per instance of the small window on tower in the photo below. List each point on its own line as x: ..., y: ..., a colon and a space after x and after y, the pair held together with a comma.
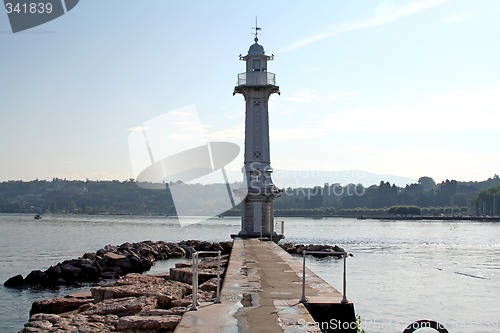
x: 256, y: 65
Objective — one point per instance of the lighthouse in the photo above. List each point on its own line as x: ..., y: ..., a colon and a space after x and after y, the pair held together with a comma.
x: 256, y: 85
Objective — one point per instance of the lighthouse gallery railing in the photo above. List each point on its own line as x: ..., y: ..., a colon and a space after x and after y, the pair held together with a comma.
x: 256, y: 79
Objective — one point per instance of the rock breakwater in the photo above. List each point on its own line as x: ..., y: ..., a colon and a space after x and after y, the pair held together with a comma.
x: 111, y: 262
x: 328, y: 250
x: 134, y: 302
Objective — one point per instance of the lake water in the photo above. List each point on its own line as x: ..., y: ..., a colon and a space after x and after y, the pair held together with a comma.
x: 401, y: 271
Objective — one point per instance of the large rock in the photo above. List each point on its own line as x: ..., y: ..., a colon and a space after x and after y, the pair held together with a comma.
x: 70, y: 323
x: 14, y: 282
x: 54, y: 273
x: 175, y: 251
x: 178, y: 310
x: 182, y: 274
x: 132, y: 324
x: 71, y: 273
x: 37, y: 278
x: 226, y: 247
x: 120, y: 307
x: 212, y: 262
x: 210, y: 285
x: 299, y: 248
x: 57, y: 305
x: 182, y: 303
x: 135, y: 285
x: 207, y: 269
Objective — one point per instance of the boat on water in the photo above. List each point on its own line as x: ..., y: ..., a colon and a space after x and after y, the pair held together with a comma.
x: 38, y: 217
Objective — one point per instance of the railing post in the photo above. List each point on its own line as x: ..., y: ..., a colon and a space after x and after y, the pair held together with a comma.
x: 217, y: 297
x: 194, y: 283
x: 195, y: 278
x: 344, y: 254
x: 344, y: 298
x: 303, y: 299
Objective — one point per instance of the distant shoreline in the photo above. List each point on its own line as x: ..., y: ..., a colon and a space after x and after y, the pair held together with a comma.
x: 433, y: 218
x: 281, y: 217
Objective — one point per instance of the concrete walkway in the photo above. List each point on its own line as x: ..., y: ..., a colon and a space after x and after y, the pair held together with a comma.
x: 261, y: 293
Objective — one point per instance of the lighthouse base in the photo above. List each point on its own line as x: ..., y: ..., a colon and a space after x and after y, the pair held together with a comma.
x: 272, y: 237
x: 257, y: 218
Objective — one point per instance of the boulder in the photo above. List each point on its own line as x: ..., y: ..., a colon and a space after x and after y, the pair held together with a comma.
x: 179, y: 311
x: 90, y: 269
x: 212, y: 262
x: 14, y: 282
x: 185, y: 275
x: 226, y: 247
x: 70, y: 323
x: 57, y: 305
x: 148, y: 323
x: 135, y: 278
x: 135, y: 285
x: 182, y: 274
x: 210, y: 285
x: 71, y: 273
x: 120, y: 307
x: 111, y: 273
x: 37, y: 278
x: 184, y: 303
x: 110, y: 257
x: 80, y: 295
x: 54, y: 273
x: 299, y: 248
x: 138, y: 264
x: 176, y: 251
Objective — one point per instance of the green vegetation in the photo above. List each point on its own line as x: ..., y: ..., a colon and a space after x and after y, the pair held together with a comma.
x: 487, y: 202
x: 125, y: 197
x: 83, y: 197
x: 405, y: 210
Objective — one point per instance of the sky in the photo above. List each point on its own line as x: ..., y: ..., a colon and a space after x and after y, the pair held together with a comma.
x: 408, y: 88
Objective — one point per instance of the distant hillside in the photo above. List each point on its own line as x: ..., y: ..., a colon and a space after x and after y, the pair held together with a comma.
x: 126, y: 197
x: 296, y: 178
x: 311, y: 178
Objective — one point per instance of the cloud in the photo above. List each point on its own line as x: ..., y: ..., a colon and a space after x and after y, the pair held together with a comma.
x: 458, y: 18
x: 302, y: 96
x: 137, y: 129
x: 237, y: 132
x: 290, y: 134
x: 383, y: 15
x: 341, y: 95
x: 474, y: 108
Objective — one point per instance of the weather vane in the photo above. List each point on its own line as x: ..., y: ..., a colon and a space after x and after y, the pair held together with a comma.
x: 256, y: 39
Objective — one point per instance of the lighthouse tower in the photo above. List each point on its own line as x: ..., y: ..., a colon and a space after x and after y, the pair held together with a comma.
x: 256, y: 84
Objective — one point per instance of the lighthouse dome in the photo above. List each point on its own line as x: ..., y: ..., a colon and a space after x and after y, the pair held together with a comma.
x: 256, y: 49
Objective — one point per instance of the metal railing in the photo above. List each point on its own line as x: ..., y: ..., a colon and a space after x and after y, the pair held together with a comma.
x: 195, y: 304
x: 282, y: 223
x: 282, y: 233
x: 256, y: 78
x: 303, y: 299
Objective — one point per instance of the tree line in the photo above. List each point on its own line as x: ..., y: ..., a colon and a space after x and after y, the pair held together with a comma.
x: 126, y: 197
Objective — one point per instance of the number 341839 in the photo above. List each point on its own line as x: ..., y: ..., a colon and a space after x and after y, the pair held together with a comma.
x: 29, y: 8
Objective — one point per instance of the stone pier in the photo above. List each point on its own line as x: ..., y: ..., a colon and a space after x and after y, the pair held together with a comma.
x: 261, y: 293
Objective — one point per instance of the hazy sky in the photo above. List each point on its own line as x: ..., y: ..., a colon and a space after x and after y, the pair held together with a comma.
x: 409, y: 88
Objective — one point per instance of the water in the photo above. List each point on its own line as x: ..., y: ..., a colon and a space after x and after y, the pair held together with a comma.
x: 401, y: 271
